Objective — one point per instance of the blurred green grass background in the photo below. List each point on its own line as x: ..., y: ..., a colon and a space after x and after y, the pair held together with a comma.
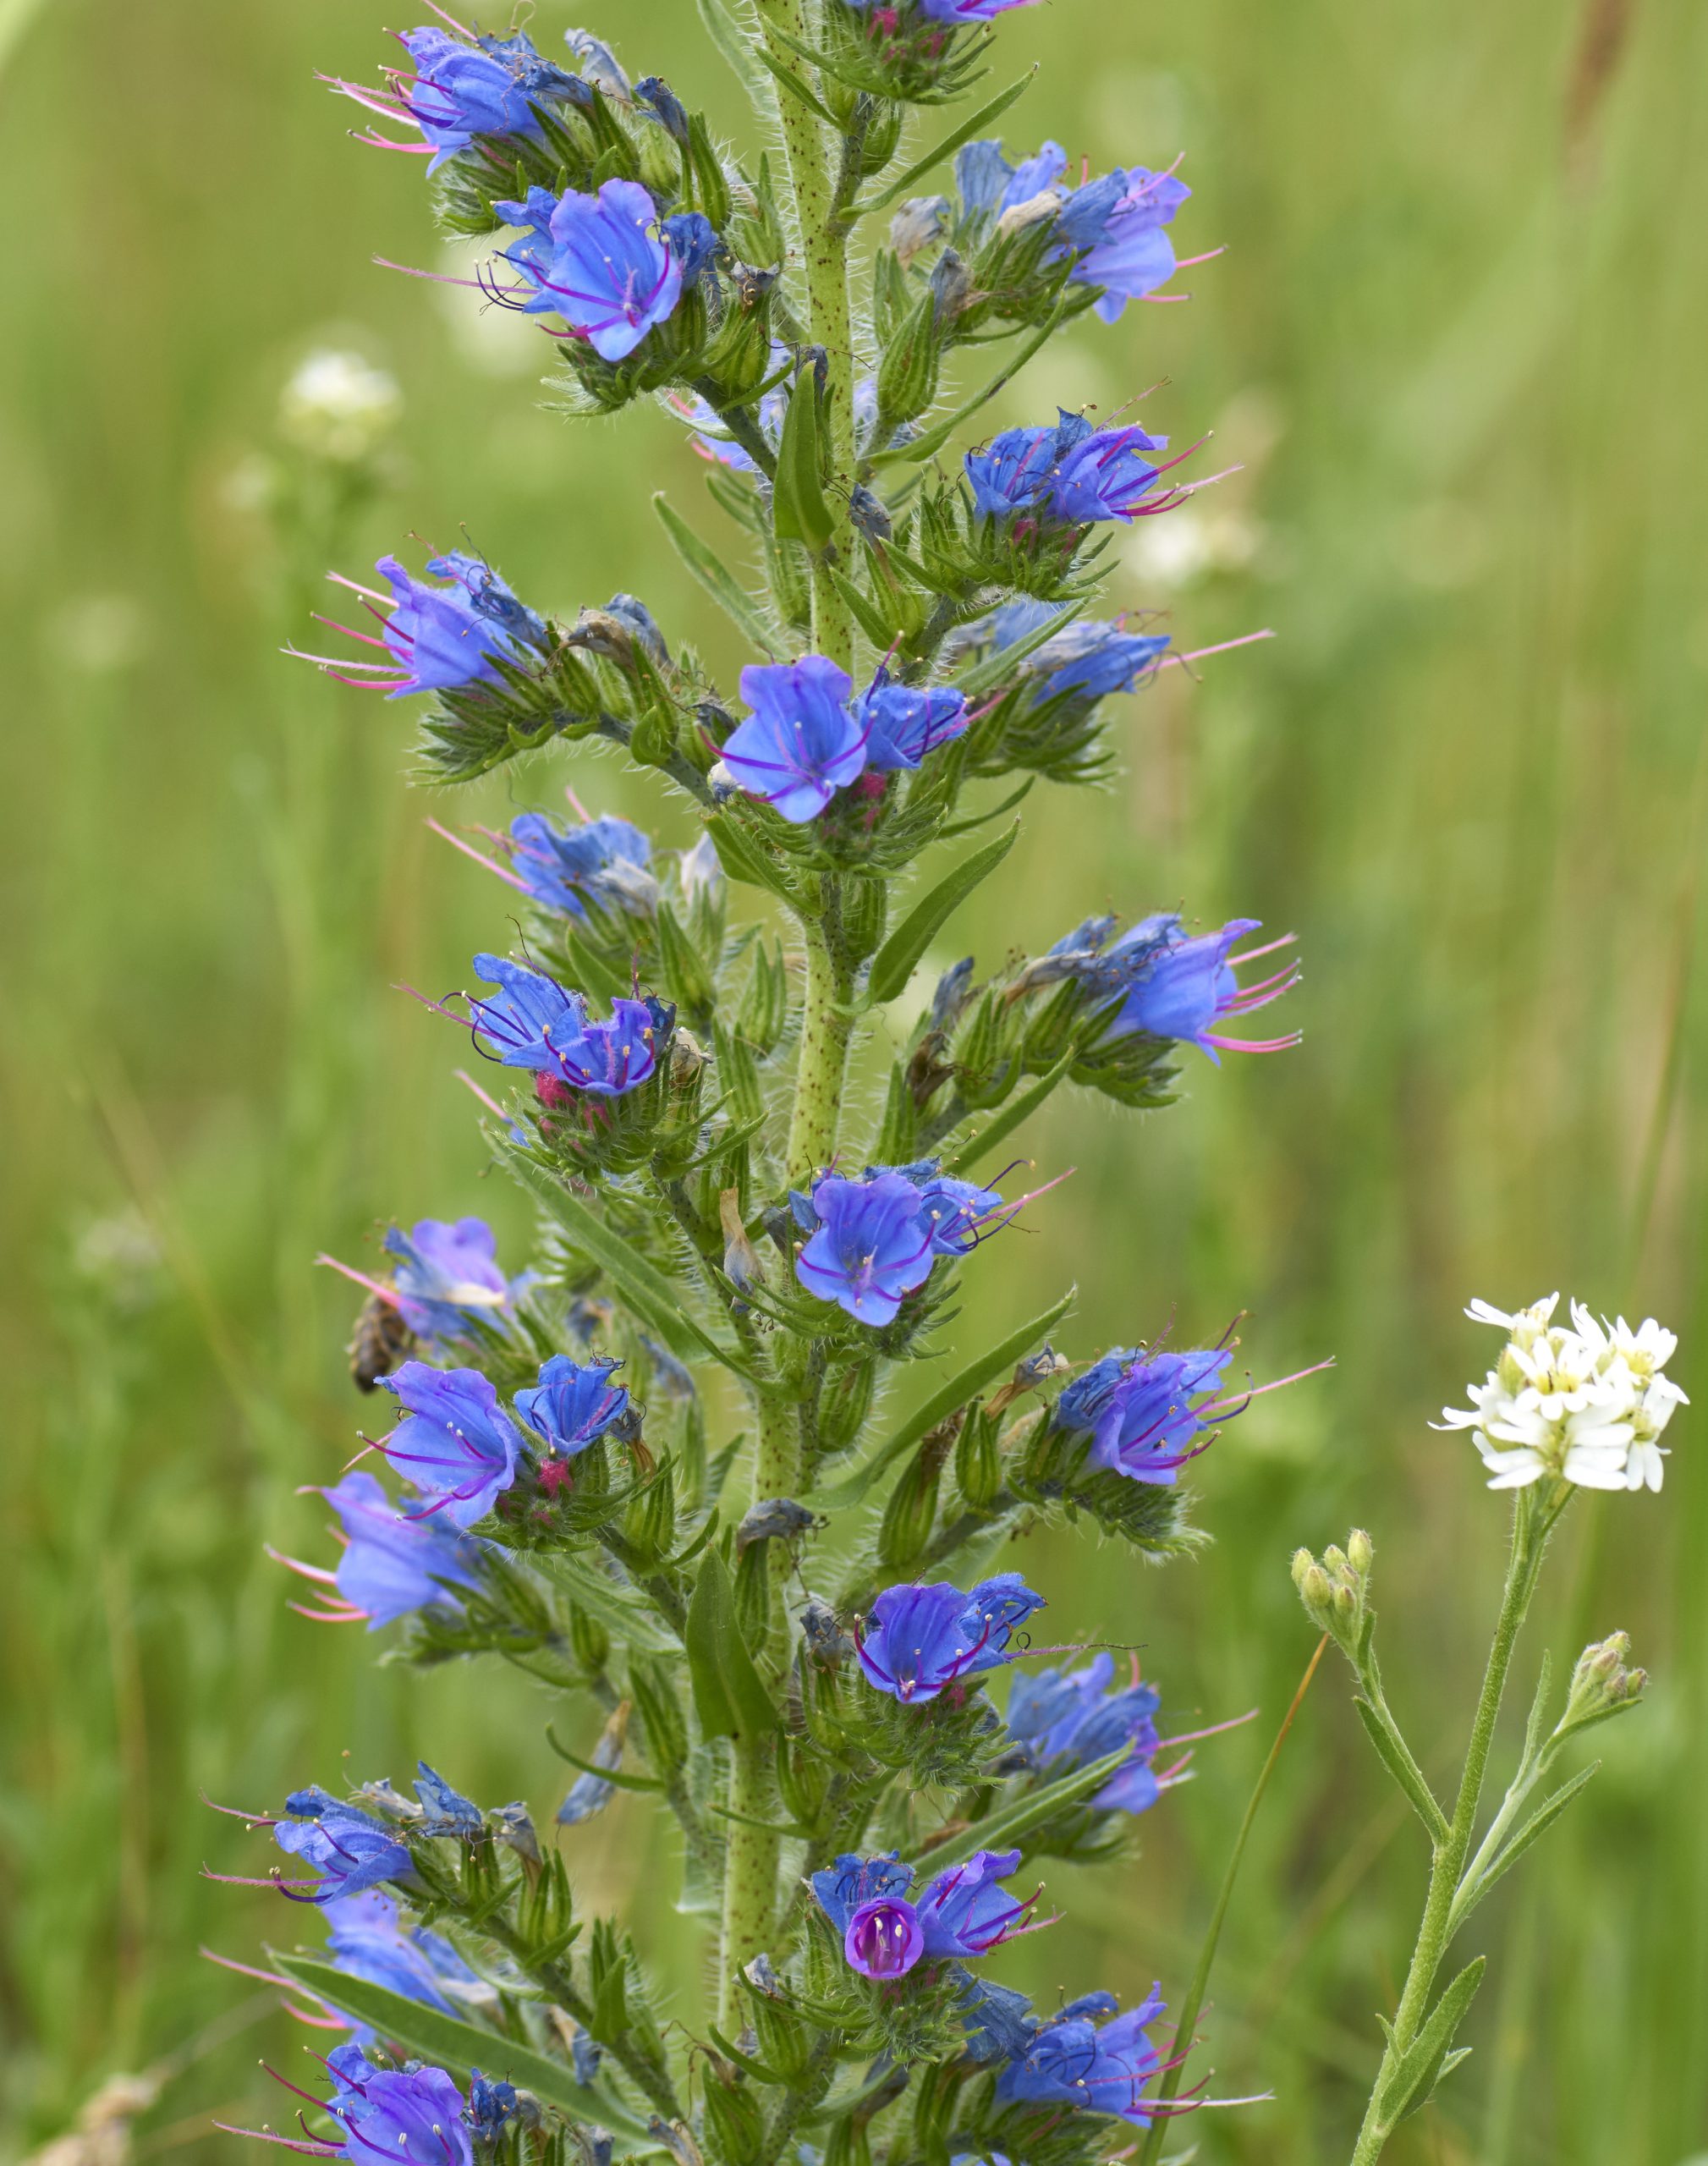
x: 1457, y: 340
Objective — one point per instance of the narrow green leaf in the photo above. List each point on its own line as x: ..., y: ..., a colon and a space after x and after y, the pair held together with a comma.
x: 799, y: 510
x: 1415, y: 2077
x: 996, y: 669
x: 926, y: 445
x: 986, y: 1370
x: 728, y: 1693
x: 1017, y: 1110
x: 621, y: 1613
x: 898, y: 957
x: 648, y: 1292
x: 1543, y: 1818
x: 449, y: 2043
x: 793, y: 84
x: 726, y: 33
x: 742, y: 860
x: 974, y: 820
x: 871, y: 623
x: 1405, y: 1772
x: 1002, y: 1830
x: 614, y: 1776
x: 716, y: 577
x: 977, y: 126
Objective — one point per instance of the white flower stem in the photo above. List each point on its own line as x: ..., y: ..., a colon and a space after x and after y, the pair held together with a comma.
x: 1532, y: 1518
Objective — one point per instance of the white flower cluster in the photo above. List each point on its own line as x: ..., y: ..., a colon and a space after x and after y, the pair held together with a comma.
x: 338, y: 406
x: 1588, y: 1404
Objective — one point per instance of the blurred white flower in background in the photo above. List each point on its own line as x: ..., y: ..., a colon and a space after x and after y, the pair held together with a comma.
x: 338, y: 406
x: 1587, y: 1403
x: 1184, y: 546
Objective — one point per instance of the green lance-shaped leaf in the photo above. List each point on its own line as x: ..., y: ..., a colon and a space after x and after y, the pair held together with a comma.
x: 1000, y: 1830
x: 727, y: 1694
x: 899, y: 956
x: 799, y: 512
x: 1010, y: 1118
x: 648, y: 1292
x: 450, y: 2043
x: 1543, y: 1818
x: 625, y: 1615
x: 976, y: 125
x: 715, y: 576
x: 742, y: 860
x: 795, y: 86
x: 1415, y: 2074
x: 1405, y: 1771
x: 986, y: 1370
x: 997, y: 668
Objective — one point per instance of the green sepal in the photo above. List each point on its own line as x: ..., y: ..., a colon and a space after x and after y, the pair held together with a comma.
x: 899, y: 956
x: 448, y: 2042
x: 728, y: 1693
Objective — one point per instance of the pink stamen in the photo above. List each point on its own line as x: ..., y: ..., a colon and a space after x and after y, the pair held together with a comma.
x: 491, y: 1104
x: 1222, y: 646
x: 469, y: 850
x: 386, y: 1293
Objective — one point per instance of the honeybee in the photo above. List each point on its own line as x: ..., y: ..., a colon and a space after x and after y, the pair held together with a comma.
x: 380, y: 1341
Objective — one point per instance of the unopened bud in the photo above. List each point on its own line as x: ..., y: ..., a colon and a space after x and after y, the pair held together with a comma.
x: 1602, y: 1684
x: 1315, y: 1589
x: 1303, y: 1563
x: 1345, y: 1605
x: 1360, y: 1552
x: 1334, y: 1560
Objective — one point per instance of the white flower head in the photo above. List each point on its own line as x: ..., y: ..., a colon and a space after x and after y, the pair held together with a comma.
x: 338, y: 406
x: 1586, y: 1403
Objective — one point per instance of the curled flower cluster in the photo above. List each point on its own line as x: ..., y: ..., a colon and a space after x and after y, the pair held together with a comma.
x: 1586, y: 1404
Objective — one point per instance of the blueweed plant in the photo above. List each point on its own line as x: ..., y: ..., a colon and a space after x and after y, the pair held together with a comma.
x: 659, y: 1470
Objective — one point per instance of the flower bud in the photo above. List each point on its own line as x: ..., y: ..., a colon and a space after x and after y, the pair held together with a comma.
x: 1360, y: 1552
x: 918, y: 225
x: 1303, y: 1564
x: 1316, y: 1591
x: 1602, y: 1685
x: 1345, y: 1607
x: 978, y: 1462
x: 1334, y: 1561
x: 908, y: 372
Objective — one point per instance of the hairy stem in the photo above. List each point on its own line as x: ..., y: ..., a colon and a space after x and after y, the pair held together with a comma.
x: 749, y: 1869
x: 1522, y: 1562
x: 827, y: 1027
x: 823, y: 231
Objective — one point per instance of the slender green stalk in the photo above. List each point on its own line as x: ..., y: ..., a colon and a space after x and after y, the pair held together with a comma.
x: 1193, y: 2002
x: 823, y: 229
x: 1529, y: 1530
